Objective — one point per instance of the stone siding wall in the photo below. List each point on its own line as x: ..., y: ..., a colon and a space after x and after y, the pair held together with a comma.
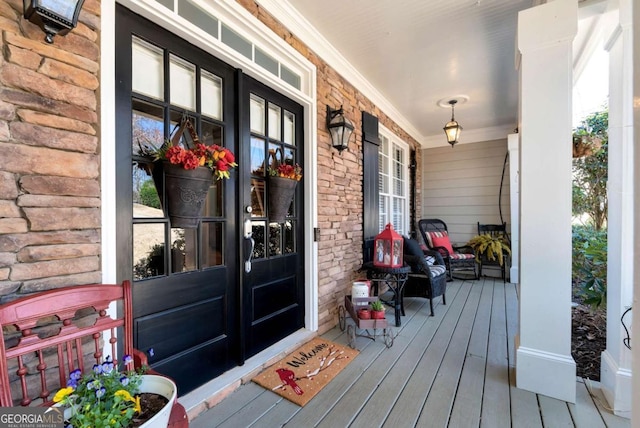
x: 50, y: 162
x: 340, y: 197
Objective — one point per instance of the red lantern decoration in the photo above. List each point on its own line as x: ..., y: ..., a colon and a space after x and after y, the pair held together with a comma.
x: 388, y: 248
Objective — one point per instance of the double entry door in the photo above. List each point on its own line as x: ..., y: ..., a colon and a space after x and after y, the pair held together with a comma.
x: 205, y: 298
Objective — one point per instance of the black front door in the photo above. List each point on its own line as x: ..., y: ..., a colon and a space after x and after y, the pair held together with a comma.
x: 273, y: 286
x: 198, y: 310
x: 185, y: 280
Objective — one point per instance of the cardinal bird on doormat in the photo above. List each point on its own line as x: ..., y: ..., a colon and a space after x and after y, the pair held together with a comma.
x: 289, y: 378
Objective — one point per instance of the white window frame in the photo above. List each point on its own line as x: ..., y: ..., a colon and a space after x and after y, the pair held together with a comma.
x: 401, y: 225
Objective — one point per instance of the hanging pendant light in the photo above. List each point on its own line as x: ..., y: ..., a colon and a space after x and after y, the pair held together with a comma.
x: 452, y: 128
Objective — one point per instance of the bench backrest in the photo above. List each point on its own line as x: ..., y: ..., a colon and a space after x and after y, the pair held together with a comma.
x: 47, y: 335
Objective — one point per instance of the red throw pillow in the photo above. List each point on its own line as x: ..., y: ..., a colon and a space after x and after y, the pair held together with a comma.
x: 442, y: 241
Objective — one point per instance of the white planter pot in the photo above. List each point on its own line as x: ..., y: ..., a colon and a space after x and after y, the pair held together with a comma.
x: 165, y: 387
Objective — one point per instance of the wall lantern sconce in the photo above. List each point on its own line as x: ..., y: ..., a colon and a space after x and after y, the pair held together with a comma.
x: 452, y: 128
x: 339, y: 127
x: 54, y: 17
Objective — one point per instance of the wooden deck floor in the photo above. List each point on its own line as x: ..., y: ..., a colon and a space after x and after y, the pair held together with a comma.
x: 451, y: 370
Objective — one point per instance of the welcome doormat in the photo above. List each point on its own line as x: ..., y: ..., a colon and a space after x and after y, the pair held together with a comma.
x: 299, y: 376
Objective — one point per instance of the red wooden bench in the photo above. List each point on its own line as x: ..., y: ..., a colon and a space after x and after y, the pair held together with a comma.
x: 47, y: 335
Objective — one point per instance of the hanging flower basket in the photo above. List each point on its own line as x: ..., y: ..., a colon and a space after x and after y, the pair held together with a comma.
x: 281, y: 191
x: 585, y: 145
x: 183, y: 171
x: 186, y: 191
x: 283, y: 179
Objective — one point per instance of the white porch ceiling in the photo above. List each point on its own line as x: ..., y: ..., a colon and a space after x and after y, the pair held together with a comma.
x: 414, y: 53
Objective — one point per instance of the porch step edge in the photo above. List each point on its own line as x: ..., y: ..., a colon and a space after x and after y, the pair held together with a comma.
x: 213, y: 392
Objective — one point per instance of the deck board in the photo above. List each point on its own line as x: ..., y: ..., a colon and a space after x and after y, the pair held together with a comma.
x: 555, y: 413
x: 454, y: 370
x: 584, y: 413
x: 496, y: 401
x: 379, y: 405
x: 410, y: 401
x: 468, y: 401
x: 441, y: 397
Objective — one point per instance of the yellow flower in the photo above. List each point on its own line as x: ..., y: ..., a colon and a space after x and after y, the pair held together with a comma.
x: 124, y: 394
x: 62, y: 393
x: 136, y: 405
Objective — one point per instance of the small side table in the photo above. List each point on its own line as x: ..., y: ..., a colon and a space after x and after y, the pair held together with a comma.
x: 395, y: 278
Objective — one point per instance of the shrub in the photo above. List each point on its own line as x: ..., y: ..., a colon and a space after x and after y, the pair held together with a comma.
x: 149, y: 195
x: 590, y: 264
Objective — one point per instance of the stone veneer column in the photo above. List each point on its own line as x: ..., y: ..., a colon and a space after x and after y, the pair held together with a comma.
x: 615, y: 372
x: 543, y: 349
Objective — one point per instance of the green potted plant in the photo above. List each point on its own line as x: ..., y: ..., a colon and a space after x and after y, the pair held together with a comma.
x: 487, y: 247
x: 377, y: 310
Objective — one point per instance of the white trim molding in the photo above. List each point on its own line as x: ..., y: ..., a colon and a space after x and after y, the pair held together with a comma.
x: 559, y: 373
x: 615, y: 385
x: 302, y: 28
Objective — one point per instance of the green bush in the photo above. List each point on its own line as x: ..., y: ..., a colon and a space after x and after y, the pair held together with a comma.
x: 590, y: 264
x: 149, y: 195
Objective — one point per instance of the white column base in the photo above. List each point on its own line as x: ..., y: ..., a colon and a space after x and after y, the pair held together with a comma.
x: 615, y: 383
x: 513, y: 275
x: 553, y: 375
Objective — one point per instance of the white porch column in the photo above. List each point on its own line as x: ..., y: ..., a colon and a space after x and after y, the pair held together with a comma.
x: 635, y: 417
x: 615, y: 371
x: 543, y: 350
x: 513, y: 145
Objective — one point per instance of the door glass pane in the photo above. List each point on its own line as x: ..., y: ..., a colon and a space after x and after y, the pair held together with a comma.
x: 148, y: 251
x: 183, y: 83
x: 258, y: 229
x: 275, y: 236
x: 257, y: 156
x: 146, y: 199
x: 257, y: 114
x: 289, y: 128
x: 147, y: 125
x: 211, y: 134
x: 212, y: 244
x: 147, y: 69
x: 274, y: 122
x: 211, y: 95
x: 289, y: 237
x: 183, y: 250
x: 257, y: 197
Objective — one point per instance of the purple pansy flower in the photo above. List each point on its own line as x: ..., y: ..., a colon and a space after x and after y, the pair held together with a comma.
x: 100, y: 392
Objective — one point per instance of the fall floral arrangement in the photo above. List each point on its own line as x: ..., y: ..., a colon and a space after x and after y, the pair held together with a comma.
x: 293, y: 172
x: 103, y: 398
x: 218, y: 159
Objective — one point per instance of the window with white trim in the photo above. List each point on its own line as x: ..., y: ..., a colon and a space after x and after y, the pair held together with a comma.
x: 393, y: 180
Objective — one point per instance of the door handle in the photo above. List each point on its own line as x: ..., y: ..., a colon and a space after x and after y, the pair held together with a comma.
x: 248, y: 245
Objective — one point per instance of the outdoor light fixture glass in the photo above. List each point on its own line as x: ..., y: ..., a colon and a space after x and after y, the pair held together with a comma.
x: 452, y: 128
x: 339, y: 127
x: 53, y: 16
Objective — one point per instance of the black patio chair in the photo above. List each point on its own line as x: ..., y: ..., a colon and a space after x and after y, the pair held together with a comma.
x: 436, y: 237
x: 428, y: 276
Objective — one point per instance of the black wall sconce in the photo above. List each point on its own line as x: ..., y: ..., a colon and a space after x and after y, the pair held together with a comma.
x: 452, y: 128
x: 339, y: 127
x: 54, y: 17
